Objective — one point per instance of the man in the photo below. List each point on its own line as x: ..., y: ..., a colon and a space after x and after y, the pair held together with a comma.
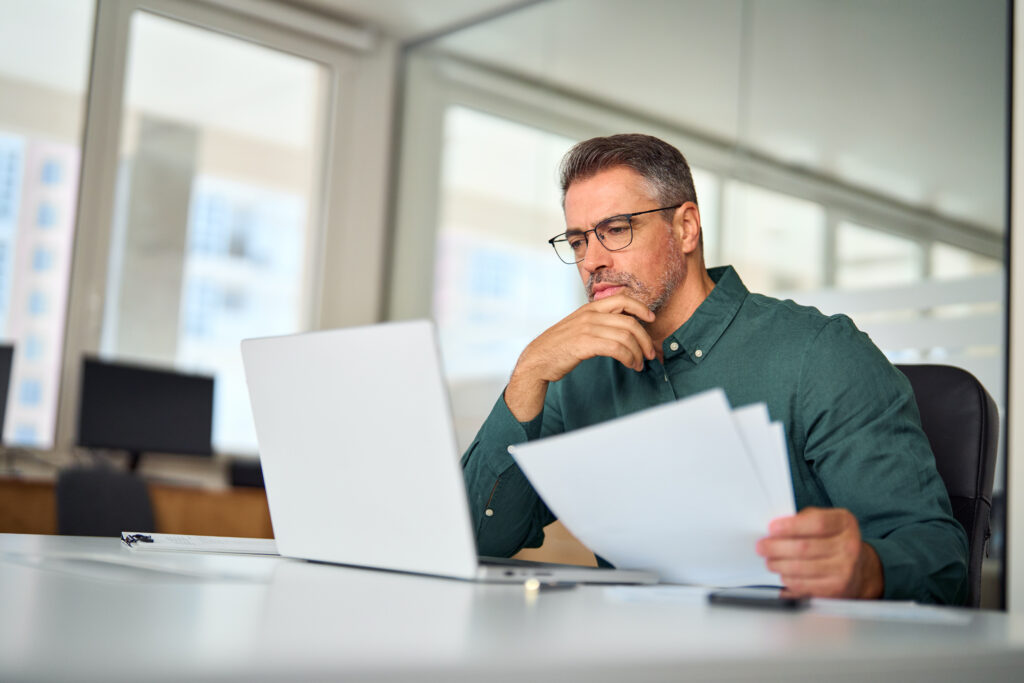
x: 874, y: 518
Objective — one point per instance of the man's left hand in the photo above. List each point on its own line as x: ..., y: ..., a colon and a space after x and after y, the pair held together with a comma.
x: 819, y: 552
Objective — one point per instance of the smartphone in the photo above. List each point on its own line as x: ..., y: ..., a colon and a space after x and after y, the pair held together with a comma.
x: 770, y: 598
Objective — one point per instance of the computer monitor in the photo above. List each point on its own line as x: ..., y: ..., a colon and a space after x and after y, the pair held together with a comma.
x: 144, y: 409
x: 6, y: 361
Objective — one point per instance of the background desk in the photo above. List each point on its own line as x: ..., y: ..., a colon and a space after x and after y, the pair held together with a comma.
x: 28, y: 506
x: 88, y: 609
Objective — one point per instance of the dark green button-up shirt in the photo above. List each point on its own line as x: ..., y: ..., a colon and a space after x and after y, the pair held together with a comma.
x: 852, y: 429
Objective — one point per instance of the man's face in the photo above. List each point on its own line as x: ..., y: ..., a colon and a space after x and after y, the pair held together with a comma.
x: 652, y: 266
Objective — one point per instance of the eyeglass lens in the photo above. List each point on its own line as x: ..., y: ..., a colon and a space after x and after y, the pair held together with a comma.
x: 614, y: 233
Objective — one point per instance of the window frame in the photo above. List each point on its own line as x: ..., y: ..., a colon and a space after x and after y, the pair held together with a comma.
x: 338, y: 47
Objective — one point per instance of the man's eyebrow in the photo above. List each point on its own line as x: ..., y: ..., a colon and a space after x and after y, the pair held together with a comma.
x: 580, y: 231
x: 621, y: 216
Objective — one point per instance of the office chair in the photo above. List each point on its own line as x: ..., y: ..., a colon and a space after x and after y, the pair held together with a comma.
x: 101, y: 501
x: 962, y: 424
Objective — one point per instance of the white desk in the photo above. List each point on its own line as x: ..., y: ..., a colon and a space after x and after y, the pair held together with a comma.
x: 89, y: 609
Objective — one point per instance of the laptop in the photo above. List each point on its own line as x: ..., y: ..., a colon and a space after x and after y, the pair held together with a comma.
x: 360, y: 461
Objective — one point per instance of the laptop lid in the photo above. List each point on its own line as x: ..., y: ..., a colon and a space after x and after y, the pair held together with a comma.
x: 358, y: 450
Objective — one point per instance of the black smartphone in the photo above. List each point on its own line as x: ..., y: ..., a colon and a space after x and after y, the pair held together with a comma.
x: 770, y: 598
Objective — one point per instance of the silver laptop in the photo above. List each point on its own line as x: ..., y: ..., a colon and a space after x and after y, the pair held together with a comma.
x: 360, y: 460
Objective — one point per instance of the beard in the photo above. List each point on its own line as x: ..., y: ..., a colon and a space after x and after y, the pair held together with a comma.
x: 652, y: 296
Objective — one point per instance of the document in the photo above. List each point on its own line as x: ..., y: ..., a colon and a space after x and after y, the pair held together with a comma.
x: 199, y: 544
x: 684, y: 489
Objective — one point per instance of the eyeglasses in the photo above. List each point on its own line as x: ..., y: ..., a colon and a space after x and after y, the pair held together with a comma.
x: 613, y: 233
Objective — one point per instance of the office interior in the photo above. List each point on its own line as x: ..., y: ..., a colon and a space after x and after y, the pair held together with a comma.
x: 178, y: 175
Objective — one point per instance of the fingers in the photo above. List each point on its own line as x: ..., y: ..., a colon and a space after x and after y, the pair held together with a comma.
x: 816, y: 552
x: 812, y: 522
x: 805, y: 569
x: 622, y: 303
x: 804, y: 548
x: 621, y: 328
x: 617, y: 344
x: 609, y: 327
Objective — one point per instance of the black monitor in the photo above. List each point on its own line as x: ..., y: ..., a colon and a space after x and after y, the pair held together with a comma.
x: 6, y: 360
x: 144, y: 409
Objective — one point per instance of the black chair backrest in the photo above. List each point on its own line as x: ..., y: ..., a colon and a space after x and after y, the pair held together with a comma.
x: 961, y: 422
x: 101, y: 501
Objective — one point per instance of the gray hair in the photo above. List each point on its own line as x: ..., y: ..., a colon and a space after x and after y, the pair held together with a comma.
x: 660, y: 164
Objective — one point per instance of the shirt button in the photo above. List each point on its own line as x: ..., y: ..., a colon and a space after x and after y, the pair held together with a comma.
x: 489, y: 512
x: 698, y: 353
x: 673, y: 346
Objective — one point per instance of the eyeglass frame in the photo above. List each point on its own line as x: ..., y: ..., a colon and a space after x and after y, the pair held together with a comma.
x: 629, y: 221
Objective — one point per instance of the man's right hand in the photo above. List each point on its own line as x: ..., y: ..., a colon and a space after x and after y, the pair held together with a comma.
x: 608, y: 327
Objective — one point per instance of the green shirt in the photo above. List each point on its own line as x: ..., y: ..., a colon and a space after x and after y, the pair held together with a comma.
x: 852, y: 429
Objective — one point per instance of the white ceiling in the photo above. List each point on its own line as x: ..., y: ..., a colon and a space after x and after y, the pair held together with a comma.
x: 409, y: 19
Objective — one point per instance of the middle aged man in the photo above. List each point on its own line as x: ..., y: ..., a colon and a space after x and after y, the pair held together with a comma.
x: 874, y: 518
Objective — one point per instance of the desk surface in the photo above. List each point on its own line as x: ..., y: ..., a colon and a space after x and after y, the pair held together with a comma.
x: 89, y: 609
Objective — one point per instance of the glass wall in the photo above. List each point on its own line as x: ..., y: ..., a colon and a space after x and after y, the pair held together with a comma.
x: 805, y: 189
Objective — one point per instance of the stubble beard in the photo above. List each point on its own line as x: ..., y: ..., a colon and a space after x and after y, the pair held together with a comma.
x: 653, y: 298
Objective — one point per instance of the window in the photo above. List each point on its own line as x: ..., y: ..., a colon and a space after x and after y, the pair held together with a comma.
x: 214, y: 233
x: 497, y: 282
x: 775, y: 241
x: 41, y: 115
x: 866, y: 257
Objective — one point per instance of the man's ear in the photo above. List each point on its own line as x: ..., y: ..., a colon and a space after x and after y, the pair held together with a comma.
x: 687, y: 224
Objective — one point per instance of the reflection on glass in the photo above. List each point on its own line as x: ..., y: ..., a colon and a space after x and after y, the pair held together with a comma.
x: 497, y: 282
x: 775, y: 241
x: 950, y: 262
x: 871, y: 258
x: 218, y: 175
x: 708, y: 187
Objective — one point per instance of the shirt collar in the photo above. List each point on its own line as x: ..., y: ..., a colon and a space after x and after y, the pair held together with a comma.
x: 697, y: 336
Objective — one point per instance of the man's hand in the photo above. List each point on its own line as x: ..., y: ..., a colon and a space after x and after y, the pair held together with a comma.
x: 819, y: 552
x: 607, y: 327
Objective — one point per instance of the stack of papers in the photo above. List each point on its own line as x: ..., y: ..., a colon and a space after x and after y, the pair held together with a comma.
x: 684, y: 489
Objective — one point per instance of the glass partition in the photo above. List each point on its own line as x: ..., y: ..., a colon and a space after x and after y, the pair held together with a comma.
x: 846, y: 155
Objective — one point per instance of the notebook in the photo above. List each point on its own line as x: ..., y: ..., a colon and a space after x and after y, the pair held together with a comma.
x: 360, y: 461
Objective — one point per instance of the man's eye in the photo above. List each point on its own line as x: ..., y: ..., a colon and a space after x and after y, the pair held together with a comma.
x: 576, y: 243
x: 616, y: 230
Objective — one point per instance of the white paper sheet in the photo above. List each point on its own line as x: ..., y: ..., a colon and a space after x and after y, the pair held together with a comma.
x: 681, y: 489
x: 766, y: 448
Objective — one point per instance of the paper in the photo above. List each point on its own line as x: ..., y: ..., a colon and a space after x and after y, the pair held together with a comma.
x: 199, y: 544
x: 684, y: 489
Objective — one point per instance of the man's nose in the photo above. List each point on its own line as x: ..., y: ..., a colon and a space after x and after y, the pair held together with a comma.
x: 597, y: 255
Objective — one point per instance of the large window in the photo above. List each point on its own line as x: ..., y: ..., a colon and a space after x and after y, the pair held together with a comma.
x: 214, y: 229
x: 497, y: 281
x: 44, y: 57
x: 776, y: 241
